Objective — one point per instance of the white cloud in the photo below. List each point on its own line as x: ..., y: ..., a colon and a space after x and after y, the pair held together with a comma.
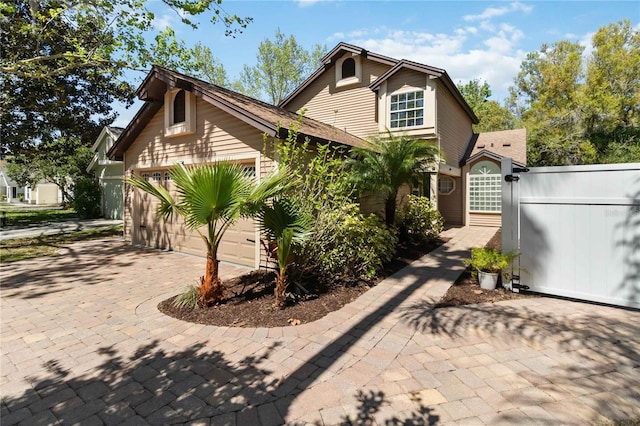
x: 161, y: 23
x: 497, y: 59
x: 492, y: 12
x: 306, y: 3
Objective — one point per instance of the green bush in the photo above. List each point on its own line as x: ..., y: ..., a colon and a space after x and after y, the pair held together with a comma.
x: 419, y: 221
x: 348, y: 244
x: 86, y: 198
x: 489, y: 259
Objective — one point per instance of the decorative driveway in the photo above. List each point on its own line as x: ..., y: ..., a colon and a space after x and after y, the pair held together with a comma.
x: 83, y: 343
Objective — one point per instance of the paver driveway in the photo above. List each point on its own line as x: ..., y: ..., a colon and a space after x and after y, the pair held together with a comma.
x: 82, y: 342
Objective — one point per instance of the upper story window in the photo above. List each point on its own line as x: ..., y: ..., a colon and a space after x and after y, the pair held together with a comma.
x: 179, y: 113
x: 348, y: 71
x: 407, y: 110
x: 157, y: 176
x: 179, y: 108
x: 349, y: 68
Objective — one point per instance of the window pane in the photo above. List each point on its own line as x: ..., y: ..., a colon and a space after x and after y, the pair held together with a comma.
x: 407, y: 109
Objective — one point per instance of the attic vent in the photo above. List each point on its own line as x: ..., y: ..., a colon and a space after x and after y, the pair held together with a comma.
x: 481, y: 146
x: 506, y: 144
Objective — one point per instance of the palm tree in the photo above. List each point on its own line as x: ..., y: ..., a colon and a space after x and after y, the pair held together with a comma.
x: 389, y: 162
x: 284, y: 223
x: 212, y: 196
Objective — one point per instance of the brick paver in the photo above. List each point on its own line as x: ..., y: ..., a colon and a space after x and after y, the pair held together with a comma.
x: 82, y: 342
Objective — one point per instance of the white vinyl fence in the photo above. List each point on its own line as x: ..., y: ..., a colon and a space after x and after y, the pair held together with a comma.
x: 577, y: 229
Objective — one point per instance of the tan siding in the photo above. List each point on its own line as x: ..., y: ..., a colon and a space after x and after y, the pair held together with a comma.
x: 485, y: 219
x: 406, y: 80
x: 350, y: 108
x: 218, y: 136
x: 451, y: 205
x: 454, y: 126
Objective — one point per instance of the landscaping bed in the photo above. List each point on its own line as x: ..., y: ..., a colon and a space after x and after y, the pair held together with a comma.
x: 249, y: 301
x: 250, y: 298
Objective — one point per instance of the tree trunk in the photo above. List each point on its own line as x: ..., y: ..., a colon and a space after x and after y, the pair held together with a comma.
x: 281, y: 286
x: 210, y: 290
x: 390, y: 210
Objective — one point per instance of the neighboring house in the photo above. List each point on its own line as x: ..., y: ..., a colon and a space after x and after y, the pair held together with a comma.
x: 8, y: 187
x: 355, y: 95
x: 110, y: 173
x: 42, y: 193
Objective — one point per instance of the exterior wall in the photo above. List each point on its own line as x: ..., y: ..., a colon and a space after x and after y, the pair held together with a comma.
x: 407, y: 81
x: 352, y: 108
x: 45, y: 193
x: 453, y: 126
x: 451, y: 205
x: 218, y: 136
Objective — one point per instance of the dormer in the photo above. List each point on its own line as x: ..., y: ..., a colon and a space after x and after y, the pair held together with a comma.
x: 179, y: 113
x: 348, y: 70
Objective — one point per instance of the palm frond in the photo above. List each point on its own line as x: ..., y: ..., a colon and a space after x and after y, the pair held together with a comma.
x: 167, y: 204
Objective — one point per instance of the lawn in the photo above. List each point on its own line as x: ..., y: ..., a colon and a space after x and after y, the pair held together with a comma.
x: 26, y: 217
x: 48, y: 245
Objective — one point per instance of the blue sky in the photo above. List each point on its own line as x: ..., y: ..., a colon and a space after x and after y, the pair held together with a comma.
x: 470, y: 39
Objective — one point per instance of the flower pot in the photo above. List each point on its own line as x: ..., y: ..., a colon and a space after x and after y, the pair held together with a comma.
x: 488, y: 280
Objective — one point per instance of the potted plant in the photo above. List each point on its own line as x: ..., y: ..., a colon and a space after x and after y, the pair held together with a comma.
x: 489, y: 263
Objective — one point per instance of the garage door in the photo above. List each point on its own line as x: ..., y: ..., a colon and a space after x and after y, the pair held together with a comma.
x: 577, y: 229
x: 239, y: 244
x: 112, y: 199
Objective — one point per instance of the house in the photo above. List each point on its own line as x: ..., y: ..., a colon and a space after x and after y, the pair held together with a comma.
x: 9, y: 189
x: 354, y: 95
x: 41, y: 193
x: 110, y: 173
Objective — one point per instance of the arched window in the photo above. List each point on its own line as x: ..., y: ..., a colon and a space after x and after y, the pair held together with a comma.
x: 349, y: 68
x: 179, y: 115
x: 485, y: 190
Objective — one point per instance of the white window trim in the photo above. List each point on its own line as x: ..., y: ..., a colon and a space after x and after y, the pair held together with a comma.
x: 453, y: 185
x: 342, y: 82
x: 188, y: 126
x: 402, y: 92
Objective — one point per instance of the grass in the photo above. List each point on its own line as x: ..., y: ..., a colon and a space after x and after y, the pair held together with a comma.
x: 48, y: 245
x: 26, y: 217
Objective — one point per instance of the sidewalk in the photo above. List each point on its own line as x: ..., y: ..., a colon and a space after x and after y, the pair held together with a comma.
x: 71, y: 225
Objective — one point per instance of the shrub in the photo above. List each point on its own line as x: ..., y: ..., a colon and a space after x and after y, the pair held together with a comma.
x: 86, y: 198
x: 419, y: 221
x: 348, y: 244
x: 187, y: 299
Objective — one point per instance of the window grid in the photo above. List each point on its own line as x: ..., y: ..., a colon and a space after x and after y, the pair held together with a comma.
x: 485, y: 193
x: 157, y: 176
x: 145, y: 176
x: 446, y: 185
x: 407, y: 110
x: 167, y: 176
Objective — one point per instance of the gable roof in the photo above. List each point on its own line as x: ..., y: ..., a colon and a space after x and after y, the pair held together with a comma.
x: 329, y: 59
x: 273, y: 120
x: 433, y: 72
x: 396, y: 65
x: 496, y: 145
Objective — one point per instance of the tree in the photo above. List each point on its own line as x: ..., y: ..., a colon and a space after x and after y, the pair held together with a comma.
x: 119, y: 29
x: 214, y: 196
x: 61, y: 161
x: 389, y: 162
x: 281, y: 66
x: 547, y: 96
x: 491, y: 114
x: 34, y: 112
x: 612, y: 93
x: 284, y: 223
x: 578, y: 109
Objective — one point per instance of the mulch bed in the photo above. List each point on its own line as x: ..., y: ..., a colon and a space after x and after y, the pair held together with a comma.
x: 467, y: 291
x: 249, y: 298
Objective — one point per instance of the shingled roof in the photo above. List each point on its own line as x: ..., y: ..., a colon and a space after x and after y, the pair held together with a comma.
x: 273, y: 120
x: 504, y: 143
